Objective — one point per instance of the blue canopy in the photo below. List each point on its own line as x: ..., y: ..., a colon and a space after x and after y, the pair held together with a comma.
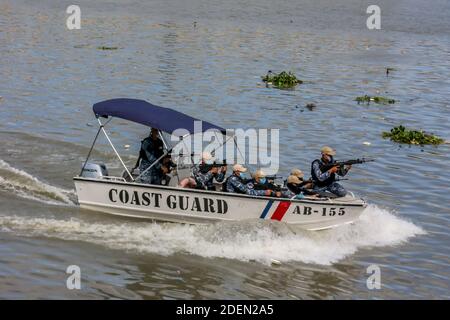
x: 145, y: 113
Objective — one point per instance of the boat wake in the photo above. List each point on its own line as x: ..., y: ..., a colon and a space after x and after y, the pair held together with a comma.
x: 27, y: 186
x: 260, y: 241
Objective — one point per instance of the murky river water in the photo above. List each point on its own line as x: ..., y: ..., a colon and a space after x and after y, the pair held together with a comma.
x: 205, y: 58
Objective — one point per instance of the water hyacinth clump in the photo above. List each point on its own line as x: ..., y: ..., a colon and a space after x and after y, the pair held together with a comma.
x: 402, y: 135
x: 376, y: 99
x: 282, y: 80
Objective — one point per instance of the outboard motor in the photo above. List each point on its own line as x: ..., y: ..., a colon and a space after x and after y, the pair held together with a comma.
x: 94, y: 170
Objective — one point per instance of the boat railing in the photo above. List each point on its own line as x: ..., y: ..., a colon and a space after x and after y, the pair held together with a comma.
x: 112, y: 178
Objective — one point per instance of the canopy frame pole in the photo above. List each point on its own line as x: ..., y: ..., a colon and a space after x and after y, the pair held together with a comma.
x: 153, y: 164
x: 102, y: 127
x: 178, y: 160
x: 226, y: 140
x: 162, y: 139
x: 184, y: 144
x: 192, y: 153
x: 214, y: 150
x: 90, y: 151
x: 191, y: 156
x: 157, y: 160
x: 167, y: 148
x: 237, y: 148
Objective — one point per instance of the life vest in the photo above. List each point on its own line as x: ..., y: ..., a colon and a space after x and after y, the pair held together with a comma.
x: 316, y: 180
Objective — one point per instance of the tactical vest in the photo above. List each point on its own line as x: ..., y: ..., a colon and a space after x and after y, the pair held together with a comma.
x: 316, y: 180
x: 157, y: 144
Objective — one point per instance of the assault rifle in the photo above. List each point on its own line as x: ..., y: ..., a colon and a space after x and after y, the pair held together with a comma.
x: 305, y: 182
x: 273, y: 178
x: 341, y: 164
x: 204, y: 168
x: 266, y: 186
x: 167, y: 161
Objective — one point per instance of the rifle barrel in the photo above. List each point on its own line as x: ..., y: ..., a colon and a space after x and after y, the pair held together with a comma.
x: 347, y: 162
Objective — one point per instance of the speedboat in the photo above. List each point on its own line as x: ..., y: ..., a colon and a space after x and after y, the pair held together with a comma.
x: 126, y: 195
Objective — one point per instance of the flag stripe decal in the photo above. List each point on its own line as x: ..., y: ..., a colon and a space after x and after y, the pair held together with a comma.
x: 266, y: 209
x: 283, y: 206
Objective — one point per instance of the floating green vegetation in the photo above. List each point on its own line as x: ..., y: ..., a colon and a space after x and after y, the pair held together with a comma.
x: 283, y: 80
x: 107, y: 48
x: 402, y: 135
x: 380, y: 100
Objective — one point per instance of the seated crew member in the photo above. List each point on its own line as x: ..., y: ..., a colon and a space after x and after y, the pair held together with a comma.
x: 296, y: 183
x: 235, y: 183
x: 259, y: 182
x: 203, y: 174
x: 151, y: 150
x: 325, y: 180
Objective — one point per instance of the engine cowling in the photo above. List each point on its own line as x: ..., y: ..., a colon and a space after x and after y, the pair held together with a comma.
x: 94, y: 170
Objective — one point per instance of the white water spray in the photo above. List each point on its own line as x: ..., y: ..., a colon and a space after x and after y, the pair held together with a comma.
x: 27, y: 186
x: 261, y: 241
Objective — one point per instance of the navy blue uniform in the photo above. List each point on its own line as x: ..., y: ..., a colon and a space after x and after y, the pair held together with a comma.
x: 205, y: 180
x: 151, y: 150
x: 236, y: 184
x: 324, y: 181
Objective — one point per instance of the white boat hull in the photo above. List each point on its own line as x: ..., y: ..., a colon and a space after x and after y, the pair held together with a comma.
x: 198, y: 206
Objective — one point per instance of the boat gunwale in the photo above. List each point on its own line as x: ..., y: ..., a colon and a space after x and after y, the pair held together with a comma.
x: 220, y: 193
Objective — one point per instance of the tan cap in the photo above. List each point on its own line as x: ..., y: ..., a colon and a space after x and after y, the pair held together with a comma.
x: 239, y: 168
x: 328, y: 151
x: 207, y: 156
x: 297, y: 172
x: 293, y: 179
x: 259, y: 174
